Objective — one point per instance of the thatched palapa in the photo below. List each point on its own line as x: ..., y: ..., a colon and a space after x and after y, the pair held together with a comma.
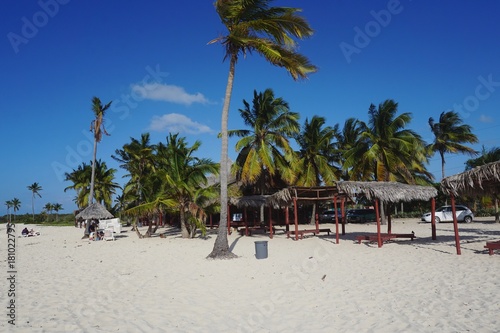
x: 480, y: 181
x: 94, y: 211
x: 251, y: 201
x: 387, y: 191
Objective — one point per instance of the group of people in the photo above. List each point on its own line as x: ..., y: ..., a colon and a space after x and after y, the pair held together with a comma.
x: 29, y: 233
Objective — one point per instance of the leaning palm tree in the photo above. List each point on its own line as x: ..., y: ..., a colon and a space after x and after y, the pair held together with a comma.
x: 450, y: 135
x: 35, y: 189
x: 270, y: 31
x: 97, y: 128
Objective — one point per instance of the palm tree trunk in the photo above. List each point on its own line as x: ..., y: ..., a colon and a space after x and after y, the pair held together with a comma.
x: 497, y: 217
x: 33, y: 207
x: 221, y: 245
x: 92, y: 179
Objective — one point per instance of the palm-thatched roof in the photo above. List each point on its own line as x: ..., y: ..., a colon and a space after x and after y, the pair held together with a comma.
x: 305, y: 195
x: 94, y: 211
x: 387, y: 191
x: 250, y: 201
x: 480, y: 181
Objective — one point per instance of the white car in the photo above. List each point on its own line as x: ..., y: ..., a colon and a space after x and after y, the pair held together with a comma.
x: 445, y: 214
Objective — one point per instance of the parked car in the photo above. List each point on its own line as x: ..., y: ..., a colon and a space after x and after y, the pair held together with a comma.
x: 328, y: 216
x: 444, y: 214
x: 360, y: 215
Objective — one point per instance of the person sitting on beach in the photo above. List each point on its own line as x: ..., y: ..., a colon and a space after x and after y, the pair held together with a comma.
x: 25, y: 232
x: 33, y: 233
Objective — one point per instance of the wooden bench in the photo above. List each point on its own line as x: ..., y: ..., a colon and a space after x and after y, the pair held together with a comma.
x: 384, y: 237
x: 311, y: 231
x: 249, y: 230
x: 492, y: 246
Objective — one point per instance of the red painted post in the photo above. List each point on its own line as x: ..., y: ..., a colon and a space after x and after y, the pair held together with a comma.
x: 455, y: 224
x: 342, y: 205
x: 316, y: 221
x: 377, y: 216
x: 336, y: 220
x: 287, y: 221
x: 270, y: 223
x: 296, y: 218
x: 433, y: 218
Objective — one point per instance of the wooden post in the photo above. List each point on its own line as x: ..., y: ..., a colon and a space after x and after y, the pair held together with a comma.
x: 433, y: 218
x: 455, y: 225
x: 245, y: 220
x: 316, y: 221
x: 296, y: 218
x: 336, y: 220
x: 287, y: 221
x: 342, y: 205
x: 389, y: 221
x: 270, y: 223
x: 377, y: 216
x: 228, y: 220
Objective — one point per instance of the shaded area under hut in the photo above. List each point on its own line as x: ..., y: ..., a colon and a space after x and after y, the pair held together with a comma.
x: 480, y: 181
x: 389, y: 192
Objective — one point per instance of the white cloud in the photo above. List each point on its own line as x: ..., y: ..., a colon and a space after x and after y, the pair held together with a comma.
x: 168, y: 93
x: 485, y: 119
x: 177, y: 123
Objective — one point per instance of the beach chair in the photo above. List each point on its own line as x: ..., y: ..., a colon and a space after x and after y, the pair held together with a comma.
x: 108, y: 234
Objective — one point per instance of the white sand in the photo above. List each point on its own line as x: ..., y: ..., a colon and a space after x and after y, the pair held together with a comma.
x: 65, y: 284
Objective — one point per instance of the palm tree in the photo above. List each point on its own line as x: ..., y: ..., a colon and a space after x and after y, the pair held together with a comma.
x: 450, y: 135
x: 48, y: 208
x: 346, y: 139
x: 35, y: 188
x: 16, y: 205
x: 57, y: 207
x: 487, y: 156
x: 80, y: 179
x: 385, y: 145
x: 314, y: 165
x: 183, y: 184
x: 316, y: 155
x: 97, y: 127
x: 138, y: 159
x: 264, y: 149
x: 8, y: 203
x: 255, y: 26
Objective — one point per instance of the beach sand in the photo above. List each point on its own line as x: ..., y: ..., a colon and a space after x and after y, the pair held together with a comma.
x: 66, y: 284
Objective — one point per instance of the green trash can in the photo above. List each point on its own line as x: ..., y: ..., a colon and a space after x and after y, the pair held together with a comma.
x: 261, y: 249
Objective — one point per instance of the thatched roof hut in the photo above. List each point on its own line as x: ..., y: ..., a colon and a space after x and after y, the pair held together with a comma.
x: 94, y: 211
x: 304, y: 195
x: 387, y: 191
x: 251, y: 201
x: 480, y: 181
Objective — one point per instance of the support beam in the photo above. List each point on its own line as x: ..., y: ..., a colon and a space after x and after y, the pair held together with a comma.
x: 433, y: 218
x: 455, y: 225
x: 377, y: 217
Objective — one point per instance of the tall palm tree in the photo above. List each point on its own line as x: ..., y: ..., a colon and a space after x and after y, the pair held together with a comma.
x: 347, y: 139
x: 8, y: 203
x: 16, y: 205
x: 35, y: 188
x: 98, y: 129
x: 270, y: 31
x: 450, y: 135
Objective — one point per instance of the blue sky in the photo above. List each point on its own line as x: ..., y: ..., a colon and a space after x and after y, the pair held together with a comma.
x: 152, y: 60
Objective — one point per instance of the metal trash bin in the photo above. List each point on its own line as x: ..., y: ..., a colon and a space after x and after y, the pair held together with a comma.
x: 261, y: 249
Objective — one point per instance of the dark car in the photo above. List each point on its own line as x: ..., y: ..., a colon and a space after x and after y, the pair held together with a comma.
x: 360, y: 215
x: 328, y: 216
